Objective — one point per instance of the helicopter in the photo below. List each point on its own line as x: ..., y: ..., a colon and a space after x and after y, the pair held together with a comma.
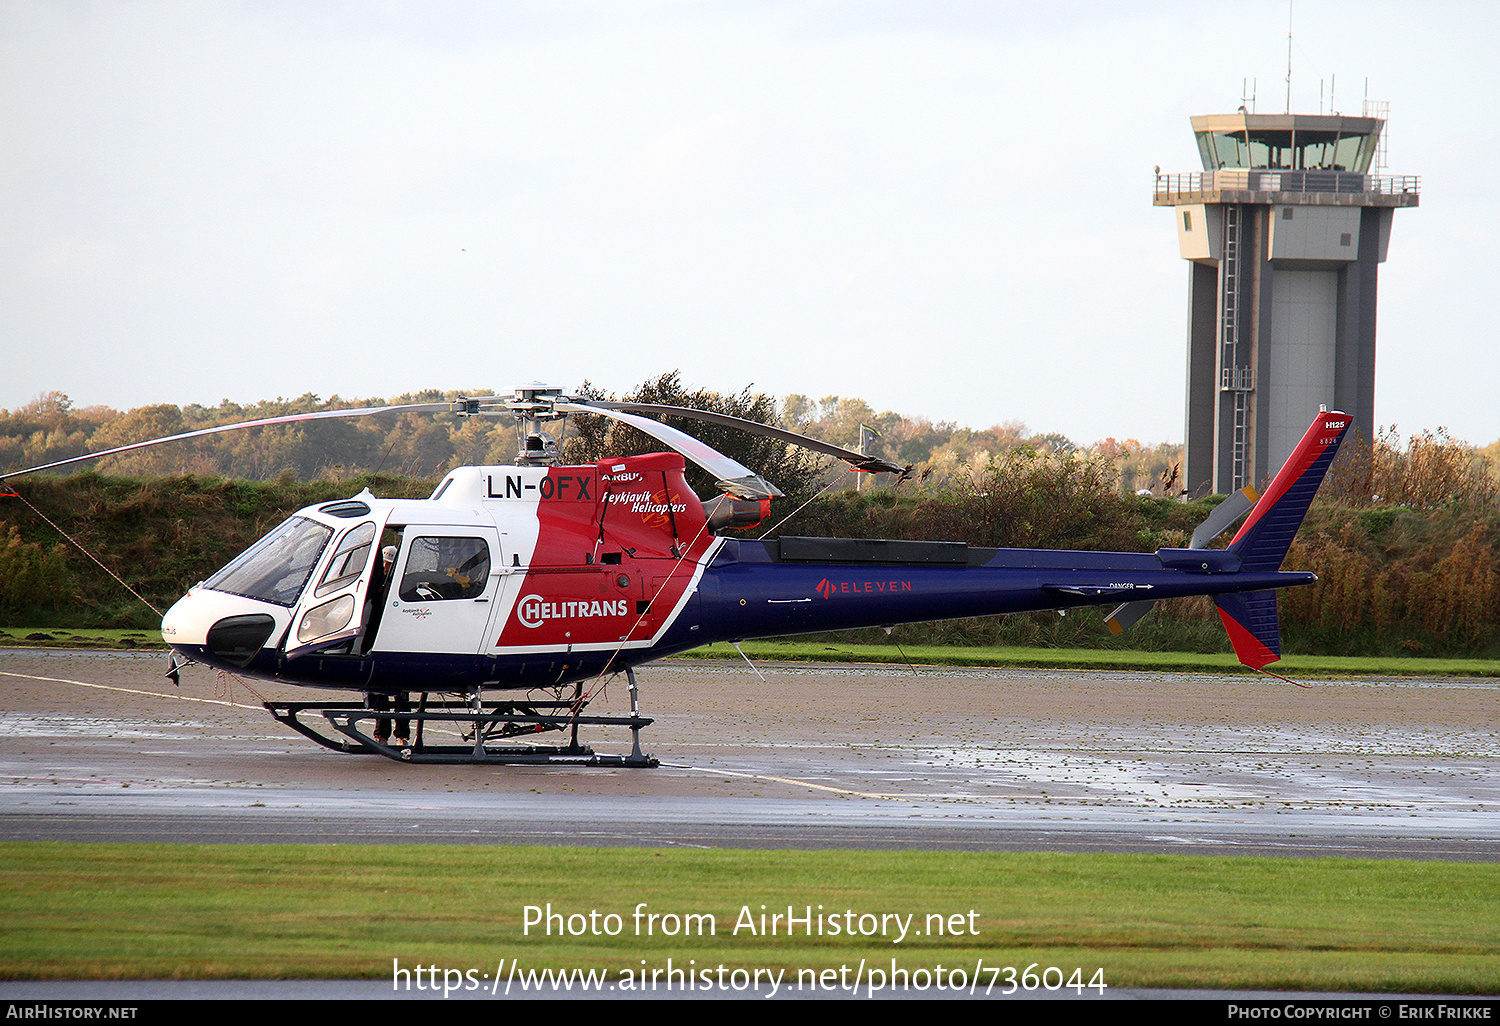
x: 539, y: 577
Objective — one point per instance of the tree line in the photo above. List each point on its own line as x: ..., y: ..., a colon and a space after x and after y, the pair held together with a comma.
x: 421, y: 445
x: 1405, y: 543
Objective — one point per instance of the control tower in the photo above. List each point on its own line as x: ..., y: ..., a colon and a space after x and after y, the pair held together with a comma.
x: 1285, y: 228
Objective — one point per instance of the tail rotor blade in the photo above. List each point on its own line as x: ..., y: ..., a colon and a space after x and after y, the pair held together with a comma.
x: 1223, y: 517
x: 1125, y: 616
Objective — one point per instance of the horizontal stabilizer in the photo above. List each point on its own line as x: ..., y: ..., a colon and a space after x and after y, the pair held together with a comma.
x: 1093, y: 591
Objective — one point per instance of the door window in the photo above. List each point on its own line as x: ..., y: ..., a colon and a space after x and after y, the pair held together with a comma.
x: 445, y: 568
x: 349, y: 560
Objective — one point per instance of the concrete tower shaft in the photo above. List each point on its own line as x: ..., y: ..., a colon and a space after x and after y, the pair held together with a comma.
x: 1284, y: 228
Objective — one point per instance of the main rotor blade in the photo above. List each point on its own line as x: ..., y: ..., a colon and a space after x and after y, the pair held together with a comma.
x: 859, y: 461
x: 730, y: 475
x: 1223, y: 517
x: 288, y: 419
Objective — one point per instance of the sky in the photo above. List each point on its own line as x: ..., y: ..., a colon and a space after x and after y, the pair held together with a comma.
x: 941, y: 207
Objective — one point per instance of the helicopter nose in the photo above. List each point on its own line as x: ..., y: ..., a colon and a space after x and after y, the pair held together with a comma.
x: 181, y: 625
x: 214, y: 627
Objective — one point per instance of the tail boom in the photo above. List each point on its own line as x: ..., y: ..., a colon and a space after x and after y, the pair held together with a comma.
x: 768, y: 588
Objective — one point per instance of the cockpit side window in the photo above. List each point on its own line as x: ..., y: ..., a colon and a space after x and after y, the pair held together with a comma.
x: 445, y: 568
x: 276, y: 568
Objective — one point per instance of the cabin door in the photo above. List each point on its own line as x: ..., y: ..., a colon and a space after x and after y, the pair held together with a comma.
x: 444, y: 586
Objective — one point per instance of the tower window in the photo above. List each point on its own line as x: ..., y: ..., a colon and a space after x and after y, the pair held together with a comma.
x: 1345, y: 239
x: 1286, y: 213
x: 1187, y: 220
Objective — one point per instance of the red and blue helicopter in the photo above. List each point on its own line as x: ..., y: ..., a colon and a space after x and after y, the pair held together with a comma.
x: 540, y: 578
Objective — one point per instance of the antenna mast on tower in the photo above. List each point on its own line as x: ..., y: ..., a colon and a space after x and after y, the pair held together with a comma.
x: 1288, y: 56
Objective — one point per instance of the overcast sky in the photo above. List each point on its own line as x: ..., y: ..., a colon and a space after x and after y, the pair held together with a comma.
x: 941, y: 207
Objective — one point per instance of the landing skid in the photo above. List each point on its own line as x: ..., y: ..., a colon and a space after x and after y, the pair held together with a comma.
x: 490, y: 724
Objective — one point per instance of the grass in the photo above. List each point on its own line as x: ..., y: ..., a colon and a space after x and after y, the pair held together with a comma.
x: 79, y: 637
x: 131, y: 911
x: 1095, y: 659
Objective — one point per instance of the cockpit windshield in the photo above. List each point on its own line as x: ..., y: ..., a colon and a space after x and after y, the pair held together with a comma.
x: 276, y: 568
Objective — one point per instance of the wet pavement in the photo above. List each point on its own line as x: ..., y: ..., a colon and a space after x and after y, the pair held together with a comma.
x: 97, y: 745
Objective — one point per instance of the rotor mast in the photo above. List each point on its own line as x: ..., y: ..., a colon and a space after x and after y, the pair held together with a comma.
x: 533, y: 406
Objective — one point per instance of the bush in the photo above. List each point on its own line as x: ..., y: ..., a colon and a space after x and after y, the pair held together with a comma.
x: 33, y: 575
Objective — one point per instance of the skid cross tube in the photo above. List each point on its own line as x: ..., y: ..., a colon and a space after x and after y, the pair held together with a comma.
x: 490, y: 721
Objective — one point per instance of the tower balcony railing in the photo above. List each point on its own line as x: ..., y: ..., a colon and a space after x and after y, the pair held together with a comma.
x: 1274, y: 180
x: 1237, y: 379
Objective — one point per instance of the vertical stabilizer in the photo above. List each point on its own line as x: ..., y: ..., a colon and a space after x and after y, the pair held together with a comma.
x: 1250, y: 618
x: 1263, y: 540
x: 1267, y: 533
